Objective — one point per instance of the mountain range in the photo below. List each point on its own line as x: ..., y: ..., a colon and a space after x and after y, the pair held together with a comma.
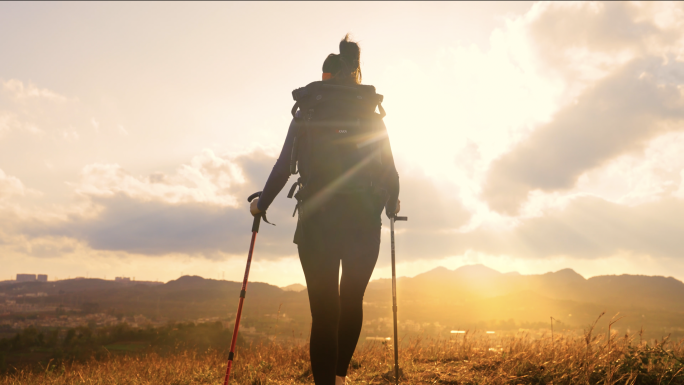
x: 434, y: 302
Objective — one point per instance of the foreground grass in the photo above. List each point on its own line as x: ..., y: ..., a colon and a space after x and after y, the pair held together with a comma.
x: 469, y: 359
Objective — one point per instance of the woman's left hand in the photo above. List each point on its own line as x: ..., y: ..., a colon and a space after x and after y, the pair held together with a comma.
x: 253, y: 207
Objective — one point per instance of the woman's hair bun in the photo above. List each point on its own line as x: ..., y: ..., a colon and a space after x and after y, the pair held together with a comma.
x: 344, y: 67
x: 350, y: 51
x: 350, y: 61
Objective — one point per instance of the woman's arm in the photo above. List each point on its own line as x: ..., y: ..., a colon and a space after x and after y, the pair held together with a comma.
x: 280, y: 173
x: 390, y: 176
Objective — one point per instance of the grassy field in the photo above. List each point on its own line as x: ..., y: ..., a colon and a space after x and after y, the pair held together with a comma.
x: 473, y: 358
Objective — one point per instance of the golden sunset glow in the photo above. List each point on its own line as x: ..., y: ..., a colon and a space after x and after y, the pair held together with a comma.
x: 131, y: 134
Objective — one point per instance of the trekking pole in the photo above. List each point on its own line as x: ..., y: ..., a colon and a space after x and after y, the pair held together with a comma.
x: 255, y: 230
x: 394, y: 299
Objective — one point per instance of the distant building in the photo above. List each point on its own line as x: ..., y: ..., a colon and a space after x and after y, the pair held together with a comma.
x: 26, y: 277
x: 122, y: 279
x: 42, y: 277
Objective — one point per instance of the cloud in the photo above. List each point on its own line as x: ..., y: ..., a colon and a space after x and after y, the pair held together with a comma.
x: 587, y: 228
x: 432, y: 207
x: 583, y: 42
x: 10, y: 122
x: 5, y: 122
x: 28, y: 108
x: 10, y: 185
x: 646, y: 176
x: 159, y: 228
x: 617, y: 116
x: 544, y: 104
x: 200, y: 209
x: 44, y: 247
x: 207, y: 179
x: 592, y: 227
x: 623, y: 67
x: 20, y: 91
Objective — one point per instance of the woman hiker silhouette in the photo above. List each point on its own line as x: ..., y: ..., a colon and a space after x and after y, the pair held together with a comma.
x: 340, y: 202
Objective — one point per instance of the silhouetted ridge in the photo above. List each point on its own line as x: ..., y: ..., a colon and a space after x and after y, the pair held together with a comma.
x: 469, y: 271
x: 197, y: 281
x: 479, y: 271
x: 437, y: 272
x: 566, y: 276
x: 188, y: 280
x: 458, y: 298
x: 569, y: 272
x: 297, y: 287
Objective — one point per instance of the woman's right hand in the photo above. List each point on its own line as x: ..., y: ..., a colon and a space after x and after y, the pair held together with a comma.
x: 253, y: 209
x: 388, y: 209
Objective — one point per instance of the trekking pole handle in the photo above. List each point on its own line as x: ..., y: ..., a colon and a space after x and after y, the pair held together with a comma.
x: 257, y: 218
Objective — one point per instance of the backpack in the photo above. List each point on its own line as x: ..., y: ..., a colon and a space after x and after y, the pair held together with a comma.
x: 337, y: 145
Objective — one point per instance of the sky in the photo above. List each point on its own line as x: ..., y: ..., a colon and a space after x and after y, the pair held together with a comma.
x: 528, y: 137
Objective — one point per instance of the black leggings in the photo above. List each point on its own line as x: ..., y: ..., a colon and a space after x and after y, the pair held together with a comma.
x: 348, y: 232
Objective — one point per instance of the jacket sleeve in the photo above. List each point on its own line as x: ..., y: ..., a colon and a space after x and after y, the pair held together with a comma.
x: 280, y: 173
x: 390, y: 176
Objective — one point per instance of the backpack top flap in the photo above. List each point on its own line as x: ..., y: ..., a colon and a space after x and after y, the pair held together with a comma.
x: 332, y: 100
x: 336, y: 148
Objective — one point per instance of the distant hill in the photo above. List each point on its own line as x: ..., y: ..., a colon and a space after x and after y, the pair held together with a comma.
x: 294, y: 287
x: 477, y: 295
x: 185, y: 299
x: 436, y: 301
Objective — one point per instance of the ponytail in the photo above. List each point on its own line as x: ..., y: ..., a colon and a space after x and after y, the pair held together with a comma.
x: 350, y: 56
x: 345, y: 67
